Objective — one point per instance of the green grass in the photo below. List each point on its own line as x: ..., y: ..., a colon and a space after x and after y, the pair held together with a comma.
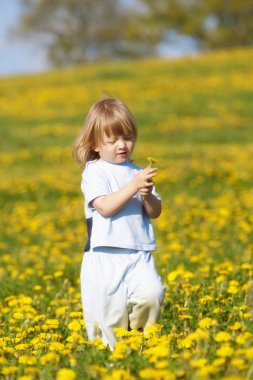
x: 195, y: 116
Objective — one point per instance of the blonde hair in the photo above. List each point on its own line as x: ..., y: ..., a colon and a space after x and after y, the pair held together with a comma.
x: 109, y: 117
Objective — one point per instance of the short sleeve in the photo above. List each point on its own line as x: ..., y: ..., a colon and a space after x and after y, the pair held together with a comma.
x: 155, y: 193
x: 94, y: 182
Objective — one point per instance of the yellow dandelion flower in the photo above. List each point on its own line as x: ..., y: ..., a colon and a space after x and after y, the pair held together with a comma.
x: 238, y: 363
x: 249, y: 353
x: 50, y: 324
x: 18, y: 315
x: 65, y: 373
x: 37, y: 288
x: 154, y: 329
x: 222, y: 336
x: 243, y: 338
x: 76, y: 338
x: 205, y: 371
x: 161, y: 364
x: 58, y: 274
x: 151, y: 161
x: 205, y: 323
x: 225, y: 351
x: 198, y: 363
x: 201, y: 334
x: 98, y: 343
x: 74, y: 326
x: 219, y: 362
x: 7, y: 371
x: 26, y: 359
x: 121, y: 333
x: 156, y: 374
x: 185, y: 343
x: 236, y: 326
x: 118, y: 374
x: 22, y: 346
x: 56, y: 346
x: 76, y: 314
x: 206, y: 299
x: 49, y: 357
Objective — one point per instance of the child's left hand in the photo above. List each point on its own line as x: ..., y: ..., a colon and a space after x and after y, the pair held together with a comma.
x: 146, y: 190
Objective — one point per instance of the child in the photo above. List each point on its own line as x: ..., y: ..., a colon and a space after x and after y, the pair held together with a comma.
x: 119, y: 283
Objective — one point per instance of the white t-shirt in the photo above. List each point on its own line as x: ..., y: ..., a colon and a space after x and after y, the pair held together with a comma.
x: 130, y: 227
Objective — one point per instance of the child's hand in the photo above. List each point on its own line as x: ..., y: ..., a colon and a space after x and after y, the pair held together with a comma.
x: 143, y: 180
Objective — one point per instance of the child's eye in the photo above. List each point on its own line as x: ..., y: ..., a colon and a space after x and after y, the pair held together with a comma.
x: 129, y: 138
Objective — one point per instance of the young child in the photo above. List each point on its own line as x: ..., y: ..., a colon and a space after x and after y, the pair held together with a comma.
x: 119, y: 283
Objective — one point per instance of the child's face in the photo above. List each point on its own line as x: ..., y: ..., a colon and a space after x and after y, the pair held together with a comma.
x: 116, y: 149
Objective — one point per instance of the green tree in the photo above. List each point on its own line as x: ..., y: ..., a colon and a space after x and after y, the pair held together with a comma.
x: 74, y: 31
x: 212, y: 23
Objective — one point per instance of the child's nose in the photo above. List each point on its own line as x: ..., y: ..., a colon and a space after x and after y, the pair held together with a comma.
x: 121, y: 142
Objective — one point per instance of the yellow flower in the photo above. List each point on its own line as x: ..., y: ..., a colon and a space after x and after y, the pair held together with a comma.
x: 236, y: 326
x: 56, y: 346
x: 151, y: 160
x: 118, y: 374
x: 74, y: 326
x: 18, y: 315
x: 156, y: 374
x: 50, y: 324
x: 225, y: 351
x: 222, y: 336
x: 49, y: 357
x: 25, y: 359
x: 238, y: 363
x: 205, y: 323
x: 198, y: 363
x: 9, y: 370
x: 249, y: 353
x: 65, y: 374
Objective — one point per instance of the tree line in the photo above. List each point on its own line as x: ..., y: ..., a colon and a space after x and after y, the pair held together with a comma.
x: 75, y: 31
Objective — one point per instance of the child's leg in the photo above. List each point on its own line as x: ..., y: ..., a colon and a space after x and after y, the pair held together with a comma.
x: 145, y: 293
x: 104, y: 294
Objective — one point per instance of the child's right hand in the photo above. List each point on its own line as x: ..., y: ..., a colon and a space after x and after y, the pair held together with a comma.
x: 143, y: 179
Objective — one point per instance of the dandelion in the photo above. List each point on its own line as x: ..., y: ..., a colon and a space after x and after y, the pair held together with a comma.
x: 198, y: 363
x: 222, y: 336
x: 28, y: 360
x: 205, y: 323
x: 7, y: 371
x: 56, y: 346
x: 224, y: 351
x: 65, y: 373
x: 74, y: 326
x: 249, y: 353
x: 151, y: 161
x: 236, y: 326
x: 119, y: 374
x: 156, y: 374
x: 49, y: 357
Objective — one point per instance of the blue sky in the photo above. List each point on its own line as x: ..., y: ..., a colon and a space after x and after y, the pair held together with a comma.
x: 19, y: 57
x: 16, y: 57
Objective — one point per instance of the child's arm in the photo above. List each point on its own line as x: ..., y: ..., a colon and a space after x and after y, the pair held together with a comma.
x: 152, y: 205
x: 108, y: 205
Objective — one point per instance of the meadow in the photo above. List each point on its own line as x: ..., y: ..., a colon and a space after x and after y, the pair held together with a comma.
x: 195, y: 116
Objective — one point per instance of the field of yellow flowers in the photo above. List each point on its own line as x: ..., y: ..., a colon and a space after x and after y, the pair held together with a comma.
x: 195, y: 116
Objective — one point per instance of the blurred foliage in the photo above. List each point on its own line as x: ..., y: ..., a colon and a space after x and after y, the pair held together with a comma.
x: 212, y: 23
x: 74, y: 31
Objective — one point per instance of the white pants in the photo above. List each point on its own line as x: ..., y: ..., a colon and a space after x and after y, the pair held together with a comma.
x: 120, y: 288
